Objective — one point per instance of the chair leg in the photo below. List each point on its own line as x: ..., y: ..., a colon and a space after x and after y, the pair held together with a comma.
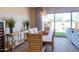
x: 52, y: 47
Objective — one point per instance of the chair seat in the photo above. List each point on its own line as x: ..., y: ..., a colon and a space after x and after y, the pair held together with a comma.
x: 46, y: 38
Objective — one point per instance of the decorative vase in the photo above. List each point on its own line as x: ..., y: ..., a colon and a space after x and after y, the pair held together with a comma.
x: 27, y: 27
x: 11, y: 30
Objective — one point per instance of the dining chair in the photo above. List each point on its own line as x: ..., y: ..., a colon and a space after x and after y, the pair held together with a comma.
x: 49, y: 40
x: 35, y: 43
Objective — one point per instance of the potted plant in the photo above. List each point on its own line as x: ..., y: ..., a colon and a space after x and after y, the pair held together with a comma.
x: 10, y: 22
x: 26, y: 24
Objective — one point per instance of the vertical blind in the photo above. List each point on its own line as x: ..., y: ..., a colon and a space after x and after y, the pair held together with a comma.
x: 50, y: 10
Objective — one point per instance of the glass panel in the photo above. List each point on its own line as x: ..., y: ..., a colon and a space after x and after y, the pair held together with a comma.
x: 62, y: 23
x: 75, y: 20
x: 48, y: 21
x: 51, y: 20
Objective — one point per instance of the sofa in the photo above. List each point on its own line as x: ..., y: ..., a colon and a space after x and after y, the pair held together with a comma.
x: 73, y: 36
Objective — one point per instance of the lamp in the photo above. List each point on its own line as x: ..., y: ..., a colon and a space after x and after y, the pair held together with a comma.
x: 42, y: 13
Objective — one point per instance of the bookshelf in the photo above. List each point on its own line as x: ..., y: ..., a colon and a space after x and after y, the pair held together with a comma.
x: 2, y: 39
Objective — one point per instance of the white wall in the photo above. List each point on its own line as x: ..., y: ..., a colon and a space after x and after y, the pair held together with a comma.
x: 20, y: 14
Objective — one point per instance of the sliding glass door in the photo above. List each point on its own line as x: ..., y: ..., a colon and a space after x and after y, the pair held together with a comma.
x: 62, y: 23
x: 75, y: 20
x: 59, y: 21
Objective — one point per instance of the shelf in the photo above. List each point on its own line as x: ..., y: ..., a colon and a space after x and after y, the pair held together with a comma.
x: 2, y: 40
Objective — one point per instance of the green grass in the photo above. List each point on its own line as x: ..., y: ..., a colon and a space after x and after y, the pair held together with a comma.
x: 60, y: 34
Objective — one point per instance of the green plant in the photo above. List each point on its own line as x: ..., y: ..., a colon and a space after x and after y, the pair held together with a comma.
x: 10, y: 22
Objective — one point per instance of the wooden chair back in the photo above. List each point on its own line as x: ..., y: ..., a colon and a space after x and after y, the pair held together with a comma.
x: 34, y: 42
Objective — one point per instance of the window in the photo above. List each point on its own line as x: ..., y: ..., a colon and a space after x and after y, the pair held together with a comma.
x: 48, y: 21
x: 51, y: 21
x: 62, y: 23
x: 75, y: 20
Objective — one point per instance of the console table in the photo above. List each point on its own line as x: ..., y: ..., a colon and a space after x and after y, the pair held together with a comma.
x: 16, y: 39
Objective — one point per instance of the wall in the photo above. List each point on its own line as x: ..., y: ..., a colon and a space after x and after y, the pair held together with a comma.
x: 36, y: 20
x: 19, y: 13
x: 32, y: 17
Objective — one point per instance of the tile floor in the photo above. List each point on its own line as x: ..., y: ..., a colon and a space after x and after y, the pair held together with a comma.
x: 61, y: 44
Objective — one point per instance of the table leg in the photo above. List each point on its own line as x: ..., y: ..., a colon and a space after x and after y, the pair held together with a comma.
x: 7, y: 42
x: 12, y: 44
